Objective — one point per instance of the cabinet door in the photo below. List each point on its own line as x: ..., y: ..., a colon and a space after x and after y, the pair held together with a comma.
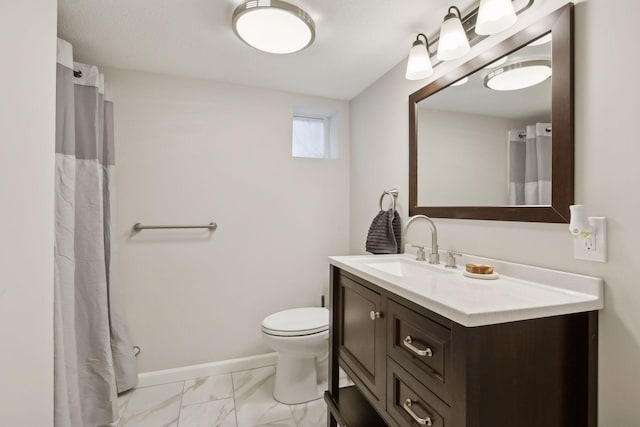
x: 362, y: 335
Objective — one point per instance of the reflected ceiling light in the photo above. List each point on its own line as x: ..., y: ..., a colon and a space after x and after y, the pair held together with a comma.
x: 419, y: 64
x: 519, y: 75
x: 494, y: 16
x: 453, y: 42
x: 460, y: 82
x: 497, y: 63
x: 542, y: 40
x: 273, y: 26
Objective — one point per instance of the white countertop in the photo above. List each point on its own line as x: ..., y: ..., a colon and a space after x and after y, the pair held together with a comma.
x: 521, y: 292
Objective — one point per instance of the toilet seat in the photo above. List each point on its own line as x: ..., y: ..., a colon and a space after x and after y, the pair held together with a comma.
x: 297, y: 322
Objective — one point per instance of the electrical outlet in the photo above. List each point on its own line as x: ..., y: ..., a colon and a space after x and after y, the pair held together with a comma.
x: 594, y: 247
x: 590, y: 244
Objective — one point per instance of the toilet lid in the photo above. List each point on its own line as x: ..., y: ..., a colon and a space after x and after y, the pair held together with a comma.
x: 297, y: 321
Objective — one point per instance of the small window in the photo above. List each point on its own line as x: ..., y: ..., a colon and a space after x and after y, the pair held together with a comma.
x: 310, y: 137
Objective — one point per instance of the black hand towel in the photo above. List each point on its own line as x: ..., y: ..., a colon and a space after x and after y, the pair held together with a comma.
x: 384, y: 235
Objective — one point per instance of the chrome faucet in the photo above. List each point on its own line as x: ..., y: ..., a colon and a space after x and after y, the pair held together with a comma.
x: 434, y: 257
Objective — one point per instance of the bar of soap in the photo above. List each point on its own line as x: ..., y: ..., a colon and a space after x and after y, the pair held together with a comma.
x: 479, y: 269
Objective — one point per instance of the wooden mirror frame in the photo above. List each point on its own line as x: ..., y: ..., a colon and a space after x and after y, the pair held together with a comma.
x: 560, y: 23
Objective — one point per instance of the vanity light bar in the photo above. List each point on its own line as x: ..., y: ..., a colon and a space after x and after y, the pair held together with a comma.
x: 468, y: 26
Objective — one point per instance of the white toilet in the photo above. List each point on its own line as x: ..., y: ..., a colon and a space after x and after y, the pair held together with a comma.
x: 301, y: 338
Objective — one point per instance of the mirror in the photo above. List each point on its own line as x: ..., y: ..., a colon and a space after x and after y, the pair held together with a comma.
x: 479, y: 151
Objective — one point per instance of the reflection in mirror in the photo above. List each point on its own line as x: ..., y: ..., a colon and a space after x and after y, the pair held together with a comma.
x: 493, y: 128
x: 485, y: 149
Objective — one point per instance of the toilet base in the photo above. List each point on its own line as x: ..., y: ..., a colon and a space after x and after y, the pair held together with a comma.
x: 296, y: 380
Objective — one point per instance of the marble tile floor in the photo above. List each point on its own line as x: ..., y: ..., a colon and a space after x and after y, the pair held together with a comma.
x: 237, y: 399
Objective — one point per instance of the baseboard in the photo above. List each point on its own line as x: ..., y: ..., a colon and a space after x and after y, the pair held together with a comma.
x: 183, y: 373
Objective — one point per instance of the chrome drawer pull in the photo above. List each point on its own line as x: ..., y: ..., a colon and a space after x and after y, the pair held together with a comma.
x: 421, y: 421
x: 407, y: 343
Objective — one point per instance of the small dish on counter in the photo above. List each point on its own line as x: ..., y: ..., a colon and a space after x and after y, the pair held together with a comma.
x: 483, y: 276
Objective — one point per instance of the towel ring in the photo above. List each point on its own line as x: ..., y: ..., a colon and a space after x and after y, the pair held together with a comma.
x: 394, y: 195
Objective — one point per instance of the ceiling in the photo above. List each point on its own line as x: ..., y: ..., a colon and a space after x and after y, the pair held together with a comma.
x: 357, y: 41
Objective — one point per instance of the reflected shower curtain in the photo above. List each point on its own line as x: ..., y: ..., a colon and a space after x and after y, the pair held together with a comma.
x: 530, y: 165
x: 93, y: 355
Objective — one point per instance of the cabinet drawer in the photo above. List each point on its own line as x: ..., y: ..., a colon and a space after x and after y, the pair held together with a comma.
x: 422, y: 346
x: 410, y: 403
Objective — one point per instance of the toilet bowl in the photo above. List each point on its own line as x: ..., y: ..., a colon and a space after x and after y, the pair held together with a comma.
x: 301, y: 338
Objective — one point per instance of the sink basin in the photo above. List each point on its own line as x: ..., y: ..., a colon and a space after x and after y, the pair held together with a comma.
x: 405, y: 268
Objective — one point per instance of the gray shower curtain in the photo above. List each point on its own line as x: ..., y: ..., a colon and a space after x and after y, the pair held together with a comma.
x: 93, y: 355
x: 530, y: 165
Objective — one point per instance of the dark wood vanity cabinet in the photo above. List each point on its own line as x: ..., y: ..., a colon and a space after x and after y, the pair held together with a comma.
x: 413, y: 367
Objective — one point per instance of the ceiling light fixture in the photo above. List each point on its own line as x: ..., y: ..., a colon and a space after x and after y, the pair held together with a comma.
x: 495, y: 16
x: 519, y: 75
x: 273, y: 26
x: 457, y: 35
x: 453, y: 42
x: 419, y: 64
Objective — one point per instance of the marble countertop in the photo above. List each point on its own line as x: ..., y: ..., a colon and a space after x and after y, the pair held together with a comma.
x: 521, y: 292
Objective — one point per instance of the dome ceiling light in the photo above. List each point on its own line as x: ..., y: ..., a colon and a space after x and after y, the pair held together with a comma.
x: 273, y: 26
x: 519, y: 75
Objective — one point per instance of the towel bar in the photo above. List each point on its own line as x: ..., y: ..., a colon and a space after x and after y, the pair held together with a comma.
x: 137, y: 226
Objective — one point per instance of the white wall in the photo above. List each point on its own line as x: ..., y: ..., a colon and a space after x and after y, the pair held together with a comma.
x: 477, y: 178
x: 192, y: 151
x: 27, y: 146
x: 607, y: 177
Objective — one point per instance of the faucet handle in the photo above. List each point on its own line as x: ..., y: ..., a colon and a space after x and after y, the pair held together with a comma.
x: 451, y: 259
x: 420, y: 255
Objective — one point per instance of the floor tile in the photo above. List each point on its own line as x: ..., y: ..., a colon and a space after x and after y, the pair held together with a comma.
x: 310, y: 414
x: 343, y: 379
x: 156, y: 406
x: 255, y: 406
x: 216, y: 413
x: 205, y: 389
x: 289, y: 422
x: 239, y: 399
